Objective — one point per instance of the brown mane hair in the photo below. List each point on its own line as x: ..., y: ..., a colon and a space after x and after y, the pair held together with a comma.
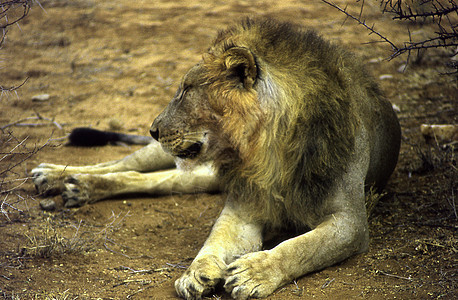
x: 288, y: 122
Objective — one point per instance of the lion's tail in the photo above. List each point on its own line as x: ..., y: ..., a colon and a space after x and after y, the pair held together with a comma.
x: 88, y: 137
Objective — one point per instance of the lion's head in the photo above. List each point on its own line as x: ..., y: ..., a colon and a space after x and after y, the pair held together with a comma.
x: 271, y: 105
x: 182, y: 128
x: 215, y: 111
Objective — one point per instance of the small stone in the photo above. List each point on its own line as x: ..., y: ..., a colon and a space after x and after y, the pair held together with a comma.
x: 440, y: 132
x: 375, y: 60
x: 402, y: 68
x: 115, y: 124
x: 48, y: 204
x: 41, y: 98
x: 385, y: 76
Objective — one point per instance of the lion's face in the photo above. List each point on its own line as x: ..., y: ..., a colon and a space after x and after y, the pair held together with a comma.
x: 182, y: 128
x: 216, y: 104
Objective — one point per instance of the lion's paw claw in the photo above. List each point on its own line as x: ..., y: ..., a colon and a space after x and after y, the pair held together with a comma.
x: 45, y: 182
x: 201, y: 278
x: 252, y: 276
x: 75, y: 193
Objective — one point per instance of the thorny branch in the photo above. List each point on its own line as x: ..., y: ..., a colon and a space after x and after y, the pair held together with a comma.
x: 440, y: 13
x: 38, y: 117
x: 10, y: 159
x: 29, y: 153
x: 8, y: 6
x: 5, y: 90
x: 361, y: 22
x: 11, y: 12
x: 421, y: 9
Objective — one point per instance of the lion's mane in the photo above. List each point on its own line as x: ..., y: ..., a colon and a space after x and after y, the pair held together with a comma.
x: 282, y: 142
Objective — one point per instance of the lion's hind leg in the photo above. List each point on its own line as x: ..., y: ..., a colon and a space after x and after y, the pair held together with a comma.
x: 80, y: 189
x: 49, y: 178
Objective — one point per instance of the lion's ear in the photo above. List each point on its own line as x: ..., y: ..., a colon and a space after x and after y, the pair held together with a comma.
x: 241, y: 66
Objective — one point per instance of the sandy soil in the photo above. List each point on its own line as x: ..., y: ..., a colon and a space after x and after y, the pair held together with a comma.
x: 115, y: 65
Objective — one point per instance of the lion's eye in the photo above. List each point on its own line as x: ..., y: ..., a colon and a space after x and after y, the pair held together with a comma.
x: 184, y: 91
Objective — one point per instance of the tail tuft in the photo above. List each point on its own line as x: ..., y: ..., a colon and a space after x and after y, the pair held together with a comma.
x: 88, y: 137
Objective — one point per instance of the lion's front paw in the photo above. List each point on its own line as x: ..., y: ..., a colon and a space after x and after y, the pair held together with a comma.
x: 76, y: 191
x: 47, y: 180
x: 254, y: 275
x: 200, y: 278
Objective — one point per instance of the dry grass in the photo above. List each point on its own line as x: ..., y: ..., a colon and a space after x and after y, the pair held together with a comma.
x: 46, y: 296
x: 441, y: 161
x: 53, y: 238
x: 372, y: 198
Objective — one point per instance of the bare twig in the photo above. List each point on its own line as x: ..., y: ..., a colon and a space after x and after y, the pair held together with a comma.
x: 327, y: 283
x: 3, y: 210
x: 109, y: 228
x: 37, y: 117
x: 127, y: 281
x: 139, y: 291
x: 23, y: 180
x: 5, y: 90
x: 14, y: 149
x: 178, y: 266
x: 8, y: 8
x: 362, y: 22
x: 395, y: 276
x: 13, y: 153
x: 436, y: 9
x: 446, y: 36
x: 28, y: 154
x: 147, y: 271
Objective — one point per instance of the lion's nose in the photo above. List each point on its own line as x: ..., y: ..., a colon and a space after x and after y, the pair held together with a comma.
x: 154, y: 131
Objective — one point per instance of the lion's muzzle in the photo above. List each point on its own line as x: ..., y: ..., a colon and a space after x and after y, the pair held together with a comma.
x: 175, y: 142
x: 190, y: 152
x: 154, y: 131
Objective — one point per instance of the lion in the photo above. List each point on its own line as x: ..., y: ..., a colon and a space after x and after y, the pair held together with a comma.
x: 292, y: 129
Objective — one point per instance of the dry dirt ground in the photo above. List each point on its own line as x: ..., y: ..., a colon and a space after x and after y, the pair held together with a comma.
x: 114, y: 65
